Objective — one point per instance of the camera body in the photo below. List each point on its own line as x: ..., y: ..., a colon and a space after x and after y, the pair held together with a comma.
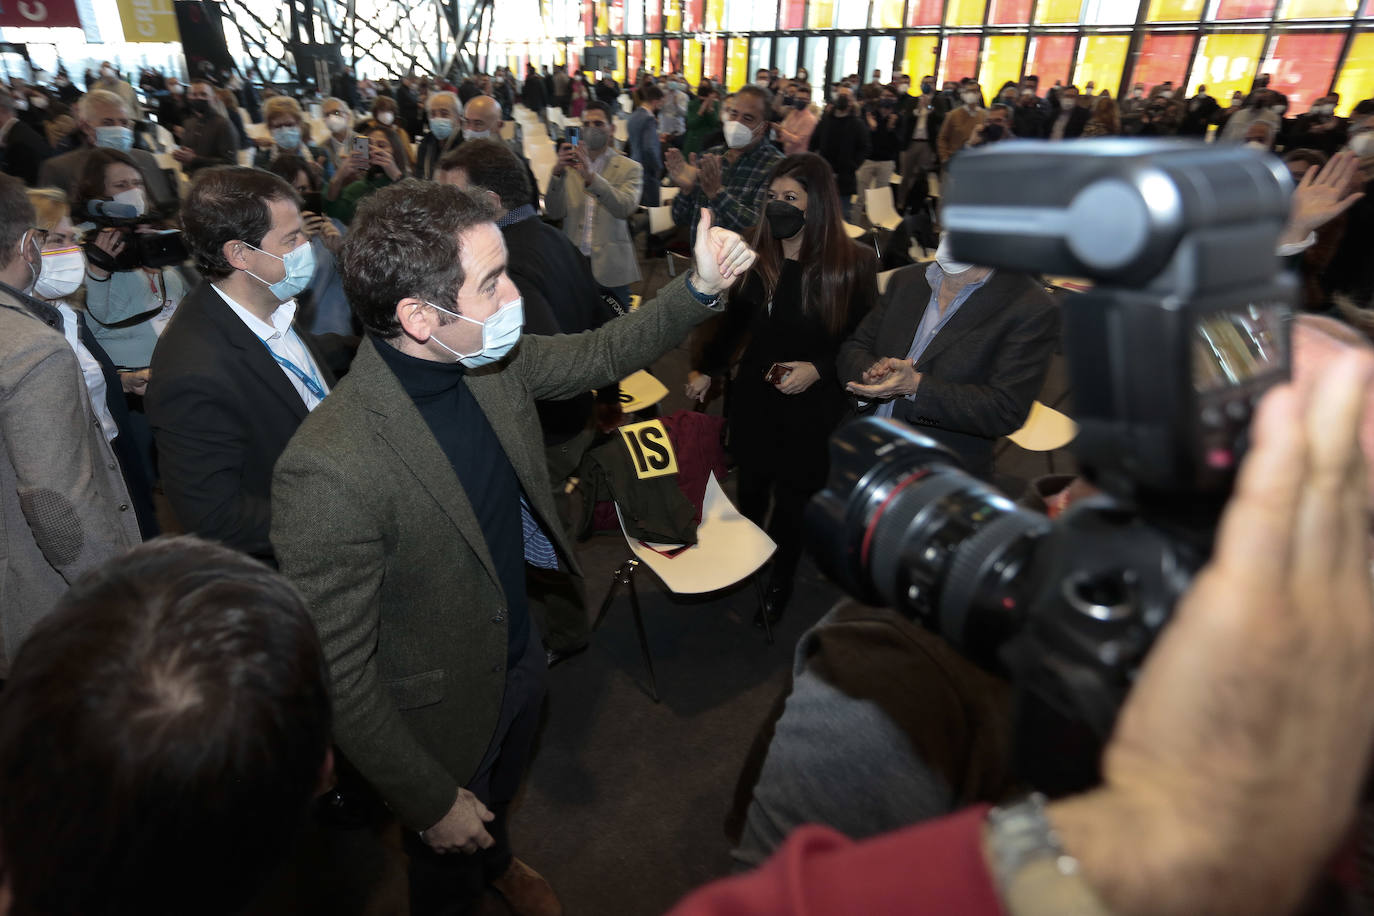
x: 1186, y: 327
x: 143, y: 246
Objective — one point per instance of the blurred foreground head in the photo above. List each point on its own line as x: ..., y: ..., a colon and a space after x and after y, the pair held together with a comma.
x: 162, y: 734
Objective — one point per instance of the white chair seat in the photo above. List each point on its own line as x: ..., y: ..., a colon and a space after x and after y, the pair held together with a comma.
x: 878, y: 202
x: 660, y: 219
x: 729, y: 548
x: 666, y: 195
x: 854, y: 232
x: 1045, y: 430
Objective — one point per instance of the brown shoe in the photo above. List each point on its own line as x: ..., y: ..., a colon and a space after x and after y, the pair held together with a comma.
x: 526, y: 891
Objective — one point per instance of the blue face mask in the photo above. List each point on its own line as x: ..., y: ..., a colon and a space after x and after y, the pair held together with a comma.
x: 287, y: 138
x: 500, y: 333
x: 442, y: 128
x: 300, y: 268
x: 115, y: 137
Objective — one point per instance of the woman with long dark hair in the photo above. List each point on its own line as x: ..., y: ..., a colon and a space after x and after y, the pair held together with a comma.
x: 806, y: 293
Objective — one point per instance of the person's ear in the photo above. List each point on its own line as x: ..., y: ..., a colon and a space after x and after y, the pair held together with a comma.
x: 235, y: 252
x: 417, y: 321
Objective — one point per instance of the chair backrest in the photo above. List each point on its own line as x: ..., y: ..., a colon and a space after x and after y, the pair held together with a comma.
x: 883, y: 279
x: 667, y: 195
x: 660, y: 219
x: 878, y: 202
x: 854, y: 232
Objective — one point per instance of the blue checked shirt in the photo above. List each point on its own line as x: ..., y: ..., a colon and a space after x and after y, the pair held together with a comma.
x: 743, y: 186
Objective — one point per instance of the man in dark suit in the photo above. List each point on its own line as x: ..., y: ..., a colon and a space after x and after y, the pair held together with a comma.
x: 103, y: 120
x: 408, y: 506
x: 22, y: 150
x: 1069, y: 118
x: 560, y: 297
x: 957, y: 350
x: 232, y: 377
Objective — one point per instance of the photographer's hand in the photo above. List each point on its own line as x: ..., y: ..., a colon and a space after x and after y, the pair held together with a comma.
x: 110, y: 241
x: 1322, y: 195
x: 1239, y: 756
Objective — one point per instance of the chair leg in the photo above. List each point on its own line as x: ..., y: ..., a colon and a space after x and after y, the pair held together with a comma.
x: 763, y: 612
x: 620, y: 577
x: 643, y: 636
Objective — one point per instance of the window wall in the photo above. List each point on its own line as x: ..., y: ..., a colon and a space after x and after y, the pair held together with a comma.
x: 1306, y: 47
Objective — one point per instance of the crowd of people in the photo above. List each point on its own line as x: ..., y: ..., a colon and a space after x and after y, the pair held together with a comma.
x: 346, y: 345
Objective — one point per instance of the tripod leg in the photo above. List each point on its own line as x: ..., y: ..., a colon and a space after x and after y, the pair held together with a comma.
x: 643, y: 637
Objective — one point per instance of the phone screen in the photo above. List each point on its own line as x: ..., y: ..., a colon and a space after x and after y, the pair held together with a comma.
x: 311, y: 203
x: 574, y: 134
x: 360, y: 145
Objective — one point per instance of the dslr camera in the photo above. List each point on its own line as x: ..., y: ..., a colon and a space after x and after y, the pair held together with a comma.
x: 144, y: 245
x: 1186, y: 327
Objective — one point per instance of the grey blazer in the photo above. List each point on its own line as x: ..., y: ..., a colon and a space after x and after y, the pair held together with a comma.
x: 63, y: 504
x: 980, y: 374
x: 62, y: 172
x: 616, y: 190
x: 370, y: 522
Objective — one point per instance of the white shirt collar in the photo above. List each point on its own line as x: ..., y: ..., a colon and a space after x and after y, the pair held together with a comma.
x: 280, y: 322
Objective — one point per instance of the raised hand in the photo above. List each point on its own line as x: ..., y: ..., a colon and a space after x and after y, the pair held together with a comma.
x: 720, y: 257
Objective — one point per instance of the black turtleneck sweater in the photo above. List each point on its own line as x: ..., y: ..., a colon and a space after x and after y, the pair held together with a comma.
x: 441, y: 394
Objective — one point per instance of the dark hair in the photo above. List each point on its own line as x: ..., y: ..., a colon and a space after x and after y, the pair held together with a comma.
x: 597, y: 105
x: 229, y: 202
x: 403, y: 242
x: 288, y: 165
x: 650, y: 93
x: 490, y: 164
x: 1363, y: 108
x: 90, y: 181
x: 385, y: 103
x: 1314, y: 158
x: 162, y: 735
x: 16, y: 217
x: 764, y: 96
x: 835, y: 267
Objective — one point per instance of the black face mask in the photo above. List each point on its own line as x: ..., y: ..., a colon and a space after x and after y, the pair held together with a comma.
x: 784, y: 220
x: 992, y: 133
x: 842, y: 103
x: 801, y: 104
x: 200, y: 106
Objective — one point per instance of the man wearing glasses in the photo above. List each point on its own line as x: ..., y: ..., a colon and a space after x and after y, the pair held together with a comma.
x: 63, y: 504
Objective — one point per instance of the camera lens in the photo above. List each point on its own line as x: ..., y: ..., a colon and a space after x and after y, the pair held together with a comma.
x: 900, y: 525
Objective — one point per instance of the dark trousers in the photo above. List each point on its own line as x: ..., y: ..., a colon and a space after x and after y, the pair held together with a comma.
x: 757, y: 488
x: 551, y: 591
x: 648, y: 197
x: 453, y: 883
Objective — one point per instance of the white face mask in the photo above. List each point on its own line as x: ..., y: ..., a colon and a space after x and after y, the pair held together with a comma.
x: 946, y: 261
x: 500, y: 333
x: 61, y: 274
x: 135, y: 198
x: 970, y: 98
x: 387, y: 118
x: 1362, y: 144
x: 336, y: 122
x: 737, y: 135
x: 469, y: 134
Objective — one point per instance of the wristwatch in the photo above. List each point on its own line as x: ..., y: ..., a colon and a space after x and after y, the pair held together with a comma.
x: 1033, y: 872
x: 710, y: 301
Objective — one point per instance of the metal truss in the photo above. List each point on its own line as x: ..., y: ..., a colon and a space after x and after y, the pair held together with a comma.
x: 290, y: 40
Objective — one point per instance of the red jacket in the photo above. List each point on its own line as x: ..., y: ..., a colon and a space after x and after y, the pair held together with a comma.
x: 935, y: 867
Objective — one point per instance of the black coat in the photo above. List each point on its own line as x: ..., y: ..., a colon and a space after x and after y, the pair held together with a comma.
x: 844, y: 143
x: 222, y: 411
x: 906, y: 125
x: 980, y: 373
x: 560, y: 297
x: 768, y: 429
x: 23, y: 153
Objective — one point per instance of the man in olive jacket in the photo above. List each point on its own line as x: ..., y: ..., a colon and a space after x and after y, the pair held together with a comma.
x: 406, y: 507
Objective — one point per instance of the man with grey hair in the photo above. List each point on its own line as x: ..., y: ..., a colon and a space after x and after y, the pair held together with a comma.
x: 338, y: 120
x: 445, y: 116
x: 63, y: 505
x: 103, y: 121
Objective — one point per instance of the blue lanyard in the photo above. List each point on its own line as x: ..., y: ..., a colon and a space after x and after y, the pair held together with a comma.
x: 309, y: 381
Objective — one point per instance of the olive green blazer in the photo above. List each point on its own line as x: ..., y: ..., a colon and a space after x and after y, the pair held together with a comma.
x: 370, y: 522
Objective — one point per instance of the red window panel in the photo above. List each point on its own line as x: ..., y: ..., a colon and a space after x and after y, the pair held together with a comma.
x: 1301, y: 67
x: 1013, y: 12
x: 1246, y: 9
x: 1051, y: 59
x: 1163, y: 57
x: 960, y: 58
x: 931, y: 12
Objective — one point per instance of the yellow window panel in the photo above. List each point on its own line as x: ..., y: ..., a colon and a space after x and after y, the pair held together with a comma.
x: 918, y: 57
x: 691, y: 61
x: 672, y: 19
x: 737, y: 64
x: 653, y: 55
x: 1001, y: 62
x: 965, y: 12
x: 1176, y: 11
x: 1357, y: 75
x: 1316, y: 9
x: 715, y: 13
x: 1226, y: 63
x: 887, y: 14
x: 820, y: 14
x: 1050, y: 12
x: 1100, y: 60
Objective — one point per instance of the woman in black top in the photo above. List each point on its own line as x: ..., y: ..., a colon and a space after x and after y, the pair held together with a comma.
x: 806, y: 293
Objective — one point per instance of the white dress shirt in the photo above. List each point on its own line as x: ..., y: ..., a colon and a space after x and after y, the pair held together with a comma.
x: 286, y: 347
x: 91, y: 370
